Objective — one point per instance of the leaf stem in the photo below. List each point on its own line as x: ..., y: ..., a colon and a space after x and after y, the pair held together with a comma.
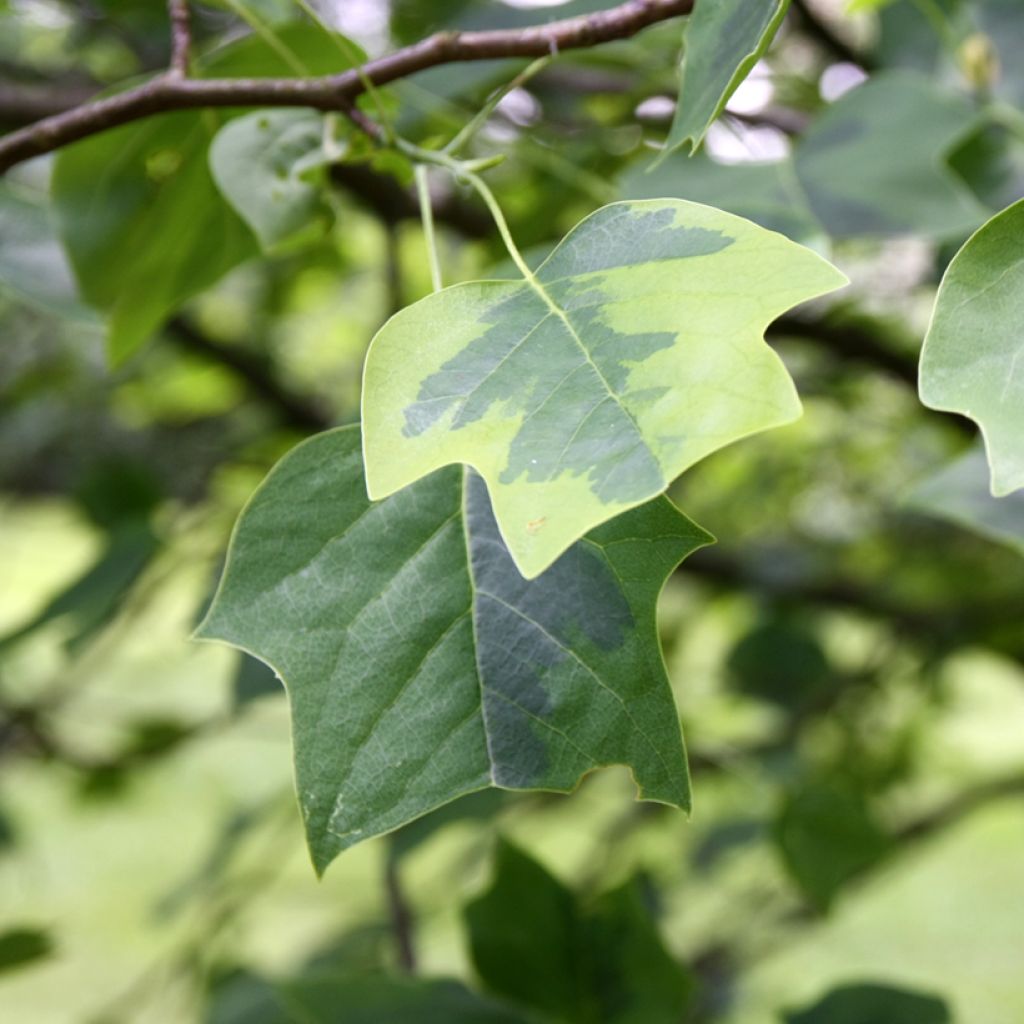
x: 427, y: 216
x: 481, y: 117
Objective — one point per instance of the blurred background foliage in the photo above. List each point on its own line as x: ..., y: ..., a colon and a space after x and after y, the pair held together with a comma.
x: 848, y: 661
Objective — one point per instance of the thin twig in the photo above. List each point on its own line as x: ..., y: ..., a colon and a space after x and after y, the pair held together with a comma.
x: 181, y: 38
x: 169, y: 92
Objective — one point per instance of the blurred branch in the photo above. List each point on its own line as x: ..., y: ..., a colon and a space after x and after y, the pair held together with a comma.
x: 400, y: 913
x: 818, y: 29
x: 171, y: 91
x: 945, y: 627
x: 181, y: 37
x: 850, y: 341
x: 961, y: 806
x: 295, y: 410
x: 392, y: 203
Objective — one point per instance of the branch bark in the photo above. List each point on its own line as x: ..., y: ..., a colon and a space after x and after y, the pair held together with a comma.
x: 171, y: 91
x: 181, y: 37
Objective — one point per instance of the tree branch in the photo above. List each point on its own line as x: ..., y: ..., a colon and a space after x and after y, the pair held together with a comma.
x: 181, y: 37
x: 171, y: 91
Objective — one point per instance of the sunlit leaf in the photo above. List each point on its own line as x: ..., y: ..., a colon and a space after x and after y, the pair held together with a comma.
x: 420, y: 665
x: 973, y: 357
x: 724, y: 40
x: 637, y: 350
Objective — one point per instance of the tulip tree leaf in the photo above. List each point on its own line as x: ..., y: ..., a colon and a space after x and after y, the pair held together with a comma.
x: 874, y: 163
x: 421, y: 666
x: 973, y: 356
x: 265, y: 164
x: 636, y: 350
x: 724, y: 40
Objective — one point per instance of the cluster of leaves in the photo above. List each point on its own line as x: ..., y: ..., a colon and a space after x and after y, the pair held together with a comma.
x: 460, y: 591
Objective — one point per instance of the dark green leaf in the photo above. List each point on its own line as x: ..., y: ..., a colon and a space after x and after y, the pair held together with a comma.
x: 143, y: 223
x: 535, y: 945
x: 22, y: 946
x: 724, y: 40
x: 421, y: 666
x: 374, y: 999
x: 873, y: 1004
x: 827, y: 836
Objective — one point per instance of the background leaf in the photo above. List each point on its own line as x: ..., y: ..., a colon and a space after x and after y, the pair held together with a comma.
x: 638, y: 352
x: 724, y: 40
x: 873, y: 1004
x: 533, y: 943
x: 960, y: 492
x: 973, y: 356
x: 874, y: 162
x: 421, y: 666
x: 265, y: 165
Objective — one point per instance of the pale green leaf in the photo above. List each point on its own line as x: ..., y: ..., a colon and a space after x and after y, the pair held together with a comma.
x: 637, y: 350
x: 874, y: 162
x: 960, y: 492
x: 421, y: 666
x: 724, y: 40
x: 973, y: 356
x: 264, y: 165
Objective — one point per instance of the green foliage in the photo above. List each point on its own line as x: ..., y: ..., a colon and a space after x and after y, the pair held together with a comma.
x: 960, y: 492
x: 970, y: 355
x: 534, y: 944
x: 267, y: 165
x: 143, y: 223
x: 871, y: 1004
x: 873, y: 163
x: 446, y: 671
x: 723, y: 42
x: 846, y: 660
x: 634, y: 351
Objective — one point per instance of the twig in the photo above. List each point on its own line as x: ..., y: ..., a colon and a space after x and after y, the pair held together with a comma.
x: 169, y: 92
x: 401, y: 915
x: 181, y: 38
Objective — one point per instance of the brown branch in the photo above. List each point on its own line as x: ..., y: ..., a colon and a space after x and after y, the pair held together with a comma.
x: 169, y: 91
x: 295, y: 410
x: 181, y: 37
